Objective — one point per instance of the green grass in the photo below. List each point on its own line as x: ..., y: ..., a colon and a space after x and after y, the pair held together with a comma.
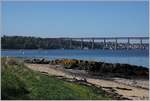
x: 19, y: 82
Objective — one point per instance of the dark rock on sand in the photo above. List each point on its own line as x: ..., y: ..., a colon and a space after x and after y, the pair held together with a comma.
x: 105, y: 69
x: 37, y: 61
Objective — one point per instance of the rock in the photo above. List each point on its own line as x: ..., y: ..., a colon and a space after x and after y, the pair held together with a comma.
x: 38, y: 61
x: 98, y: 68
x: 123, y: 88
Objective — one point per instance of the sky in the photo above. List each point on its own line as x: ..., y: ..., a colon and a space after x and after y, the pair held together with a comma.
x: 75, y: 19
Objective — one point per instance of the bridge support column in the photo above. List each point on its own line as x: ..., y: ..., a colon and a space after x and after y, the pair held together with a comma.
x: 70, y: 43
x: 104, y: 43
x: 81, y: 43
x: 141, y: 43
x: 128, y: 45
x: 93, y: 43
x: 116, y: 44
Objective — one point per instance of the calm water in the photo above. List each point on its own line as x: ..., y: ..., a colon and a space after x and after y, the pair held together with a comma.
x: 136, y: 57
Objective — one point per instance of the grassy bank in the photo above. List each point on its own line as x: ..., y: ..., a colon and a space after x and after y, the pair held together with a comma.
x: 19, y: 82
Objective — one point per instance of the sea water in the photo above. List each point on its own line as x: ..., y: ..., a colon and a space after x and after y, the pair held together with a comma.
x: 134, y: 57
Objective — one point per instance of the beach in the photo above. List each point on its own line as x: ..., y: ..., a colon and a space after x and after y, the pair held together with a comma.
x: 135, y: 89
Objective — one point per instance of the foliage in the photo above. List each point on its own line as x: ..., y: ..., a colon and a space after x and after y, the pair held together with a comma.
x: 21, y: 42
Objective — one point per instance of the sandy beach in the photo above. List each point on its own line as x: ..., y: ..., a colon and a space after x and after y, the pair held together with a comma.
x: 128, y: 88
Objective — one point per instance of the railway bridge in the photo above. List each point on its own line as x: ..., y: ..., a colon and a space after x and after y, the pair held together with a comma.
x: 108, y: 42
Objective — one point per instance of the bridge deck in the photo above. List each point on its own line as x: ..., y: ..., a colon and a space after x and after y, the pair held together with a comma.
x: 101, y: 38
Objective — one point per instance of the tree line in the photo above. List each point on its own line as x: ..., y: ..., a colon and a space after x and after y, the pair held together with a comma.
x: 24, y: 42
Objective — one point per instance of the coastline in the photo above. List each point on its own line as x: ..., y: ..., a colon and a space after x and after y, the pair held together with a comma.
x: 96, y: 68
x: 135, y: 87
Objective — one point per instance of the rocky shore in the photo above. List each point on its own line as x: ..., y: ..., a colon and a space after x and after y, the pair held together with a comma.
x: 119, y: 88
x: 98, y: 68
x: 123, y: 81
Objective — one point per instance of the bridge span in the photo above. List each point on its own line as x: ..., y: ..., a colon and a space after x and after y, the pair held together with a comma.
x: 106, y: 43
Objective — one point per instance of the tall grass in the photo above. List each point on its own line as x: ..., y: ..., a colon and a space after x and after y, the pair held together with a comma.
x: 19, y: 82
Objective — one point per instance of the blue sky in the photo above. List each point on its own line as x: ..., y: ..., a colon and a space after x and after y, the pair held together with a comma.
x: 75, y: 19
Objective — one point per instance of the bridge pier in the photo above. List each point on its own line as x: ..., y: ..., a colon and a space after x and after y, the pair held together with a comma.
x: 141, y: 43
x: 104, y: 43
x: 93, y: 43
x: 128, y: 45
x: 116, y: 44
x: 81, y: 43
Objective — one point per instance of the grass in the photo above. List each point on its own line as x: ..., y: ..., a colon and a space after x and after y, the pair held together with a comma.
x: 20, y: 83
